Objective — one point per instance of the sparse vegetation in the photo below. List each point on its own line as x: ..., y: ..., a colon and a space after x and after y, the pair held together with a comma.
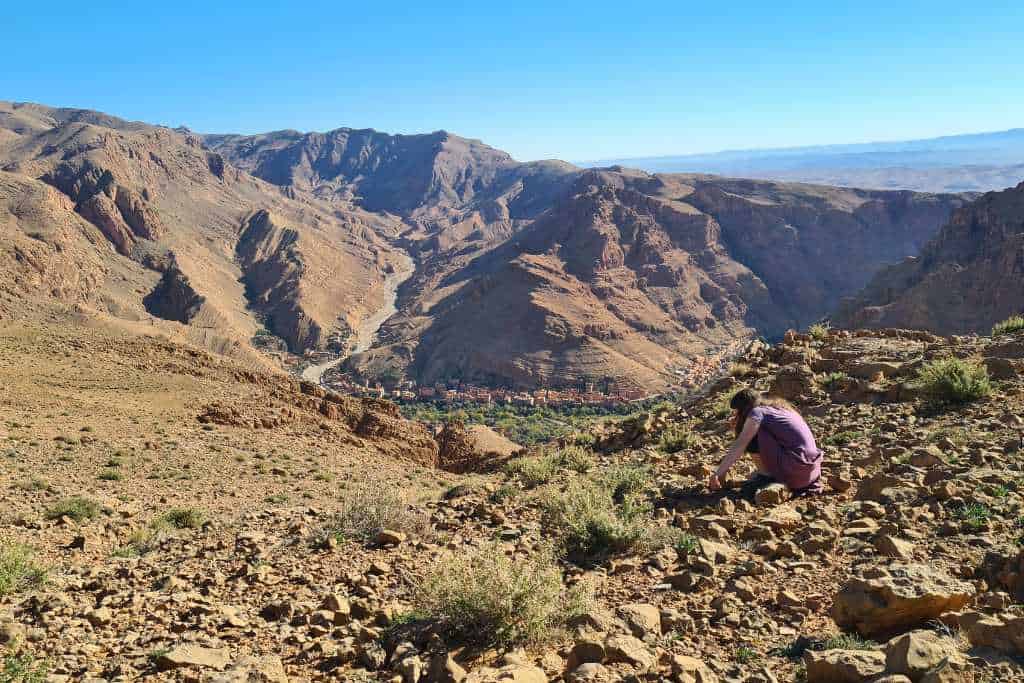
x: 819, y: 331
x: 109, y: 475
x: 23, y: 668
x: 184, y: 518
x: 626, y: 480
x: 954, y: 380
x: 847, y: 641
x: 488, y: 598
x: 739, y: 369
x: 831, y: 380
x: 533, y: 470
x: 590, y: 525
x: 1012, y: 324
x: 77, y: 508
x: 18, y: 569
x: 576, y: 458
x: 677, y: 438
x: 369, y: 507
x: 974, y: 516
x: 843, y: 438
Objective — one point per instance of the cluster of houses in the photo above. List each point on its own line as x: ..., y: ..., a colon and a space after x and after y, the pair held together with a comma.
x: 695, y: 373
x: 458, y: 392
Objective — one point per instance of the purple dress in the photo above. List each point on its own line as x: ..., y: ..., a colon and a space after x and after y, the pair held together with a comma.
x: 787, y: 448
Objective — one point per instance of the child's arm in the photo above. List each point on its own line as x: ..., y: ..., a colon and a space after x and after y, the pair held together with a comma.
x: 734, y: 453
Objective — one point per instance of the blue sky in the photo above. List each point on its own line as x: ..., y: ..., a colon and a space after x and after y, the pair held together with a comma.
x: 570, y: 80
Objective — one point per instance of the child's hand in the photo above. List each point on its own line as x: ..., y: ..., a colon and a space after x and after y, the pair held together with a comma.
x: 714, y: 483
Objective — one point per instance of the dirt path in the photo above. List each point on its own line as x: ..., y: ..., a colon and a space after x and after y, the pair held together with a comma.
x: 366, y: 332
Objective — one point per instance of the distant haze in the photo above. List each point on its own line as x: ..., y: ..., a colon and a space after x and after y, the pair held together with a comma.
x: 958, y: 163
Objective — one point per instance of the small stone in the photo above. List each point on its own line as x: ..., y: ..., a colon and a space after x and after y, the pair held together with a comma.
x: 193, y: 655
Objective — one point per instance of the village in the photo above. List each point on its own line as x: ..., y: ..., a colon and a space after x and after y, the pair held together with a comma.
x: 607, y: 393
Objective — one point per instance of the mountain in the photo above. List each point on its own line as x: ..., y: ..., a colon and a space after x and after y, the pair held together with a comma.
x: 956, y: 163
x: 965, y: 279
x: 515, y: 273
x: 145, y: 225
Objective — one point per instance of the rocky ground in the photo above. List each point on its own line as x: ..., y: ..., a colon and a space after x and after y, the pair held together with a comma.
x: 246, y: 528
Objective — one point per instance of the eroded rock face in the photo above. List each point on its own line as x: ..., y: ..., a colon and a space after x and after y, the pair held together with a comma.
x: 886, y: 600
x: 959, y: 281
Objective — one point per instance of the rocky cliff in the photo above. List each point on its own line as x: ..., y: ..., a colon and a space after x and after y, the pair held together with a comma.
x: 965, y: 279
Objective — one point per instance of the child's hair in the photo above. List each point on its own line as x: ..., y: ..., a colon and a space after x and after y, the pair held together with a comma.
x: 745, y: 400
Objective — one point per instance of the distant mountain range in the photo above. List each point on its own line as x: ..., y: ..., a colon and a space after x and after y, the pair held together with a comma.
x: 976, y: 162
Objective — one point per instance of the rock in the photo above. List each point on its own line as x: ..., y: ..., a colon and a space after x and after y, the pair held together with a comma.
x: 99, y: 617
x: 444, y: 669
x: 793, y: 381
x: 642, y: 619
x: 914, y: 654
x: 586, y: 673
x: 843, y: 666
x: 629, y: 650
x: 193, y: 655
x: 891, y: 546
x: 902, y: 597
x: 772, y: 494
x: 513, y: 673
x: 267, y: 669
x: 691, y: 670
x: 389, y: 537
x: 1004, y: 634
x: 585, y: 651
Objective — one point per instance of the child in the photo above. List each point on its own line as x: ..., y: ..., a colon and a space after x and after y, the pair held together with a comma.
x: 779, y: 441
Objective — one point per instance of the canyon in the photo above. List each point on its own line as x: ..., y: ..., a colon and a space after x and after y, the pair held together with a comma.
x: 522, y: 274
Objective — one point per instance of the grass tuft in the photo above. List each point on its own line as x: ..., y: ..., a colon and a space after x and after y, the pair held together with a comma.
x: 18, y: 569
x: 1009, y: 326
x: 77, y: 508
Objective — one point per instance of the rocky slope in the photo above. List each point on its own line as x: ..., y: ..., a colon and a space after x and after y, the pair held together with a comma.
x: 964, y: 280
x: 907, y: 567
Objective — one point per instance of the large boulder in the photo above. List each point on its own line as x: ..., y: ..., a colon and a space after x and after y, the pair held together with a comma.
x: 793, y: 382
x: 471, y: 448
x: 916, y: 653
x: 843, y: 666
x: 1005, y: 634
x: 888, y: 600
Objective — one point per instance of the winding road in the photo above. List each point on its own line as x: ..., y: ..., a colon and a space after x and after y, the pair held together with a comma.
x: 366, y: 332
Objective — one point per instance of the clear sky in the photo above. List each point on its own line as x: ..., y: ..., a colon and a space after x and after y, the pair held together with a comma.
x: 556, y: 79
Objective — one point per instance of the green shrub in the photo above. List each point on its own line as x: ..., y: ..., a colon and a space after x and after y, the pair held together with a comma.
x: 18, y: 569
x: 576, y: 458
x: 677, y: 438
x: 369, y: 507
x: 843, y: 438
x: 1010, y: 325
x: 533, y: 470
x: 109, y: 474
x: 589, y: 524
x: 23, y: 668
x: 626, y: 480
x: 183, y: 518
x: 77, y: 508
x: 819, y: 331
x: 487, y: 598
x: 832, y: 380
x: 974, y: 516
x: 954, y: 380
